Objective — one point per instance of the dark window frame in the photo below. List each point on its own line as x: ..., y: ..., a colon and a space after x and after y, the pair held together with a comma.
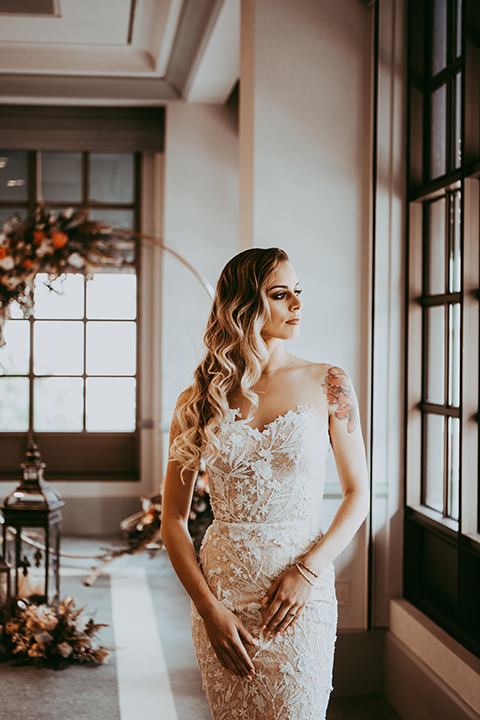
x: 441, y: 562
x: 82, y: 456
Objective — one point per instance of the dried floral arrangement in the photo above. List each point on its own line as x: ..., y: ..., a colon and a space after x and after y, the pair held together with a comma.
x: 54, y: 244
x: 52, y: 636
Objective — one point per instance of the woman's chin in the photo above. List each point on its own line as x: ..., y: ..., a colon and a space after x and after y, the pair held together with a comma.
x: 292, y: 332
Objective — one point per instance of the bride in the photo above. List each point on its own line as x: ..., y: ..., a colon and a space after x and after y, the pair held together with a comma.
x: 264, y: 611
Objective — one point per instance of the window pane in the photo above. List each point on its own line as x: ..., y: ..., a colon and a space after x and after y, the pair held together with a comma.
x: 453, y: 467
x: 62, y: 177
x: 111, y: 177
x: 13, y: 404
x: 459, y: 27
x: 434, y: 449
x: 455, y: 269
x: 438, y: 124
x: 58, y: 348
x: 458, y: 120
x: 116, y: 218
x: 435, y: 390
x: 110, y: 404
x: 439, y: 39
x: 436, y: 248
x: 58, y: 404
x: 112, y: 296
x: 6, y: 213
x: 65, y: 301
x: 15, y: 355
x: 16, y: 312
x: 13, y: 175
x: 111, y: 348
x: 454, y: 329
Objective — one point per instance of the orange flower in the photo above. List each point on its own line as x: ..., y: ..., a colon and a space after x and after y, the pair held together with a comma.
x: 38, y: 237
x: 27, y: 264
x: 59, y: 239
x: 3, y: 252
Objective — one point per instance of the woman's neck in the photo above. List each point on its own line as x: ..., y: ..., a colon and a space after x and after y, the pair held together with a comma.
x: 278, y: 357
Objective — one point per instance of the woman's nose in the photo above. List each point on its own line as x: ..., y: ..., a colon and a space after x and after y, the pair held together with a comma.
x: 296, y: 302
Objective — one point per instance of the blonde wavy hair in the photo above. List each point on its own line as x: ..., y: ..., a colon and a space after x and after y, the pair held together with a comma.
x: 235, y: 352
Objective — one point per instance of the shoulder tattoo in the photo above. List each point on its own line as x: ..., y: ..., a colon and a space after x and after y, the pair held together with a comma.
x: 339, y: 390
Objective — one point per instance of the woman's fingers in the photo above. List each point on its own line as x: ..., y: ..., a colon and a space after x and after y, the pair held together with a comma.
x: 274, y: 618
x: 226, y: 660
x: 234, y: 657
x: 246, y: 636
x: 287, y: 621
x: 244, y: 664
x: 278, y: 617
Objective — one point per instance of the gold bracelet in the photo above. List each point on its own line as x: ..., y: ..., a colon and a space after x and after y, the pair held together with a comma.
x: 303, y: 575
x: 309, y: 569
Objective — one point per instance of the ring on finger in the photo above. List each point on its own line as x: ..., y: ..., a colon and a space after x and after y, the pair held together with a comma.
x: 292, y: 613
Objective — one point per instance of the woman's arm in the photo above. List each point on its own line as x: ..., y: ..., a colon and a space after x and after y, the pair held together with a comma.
x: 291, y: 591
x: 225, y: 630
x: 349, y: 451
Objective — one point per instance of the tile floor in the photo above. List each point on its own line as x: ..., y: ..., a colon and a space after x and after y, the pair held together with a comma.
x: 171, y: 609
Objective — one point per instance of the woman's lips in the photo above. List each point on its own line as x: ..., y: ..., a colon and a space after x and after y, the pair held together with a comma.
x: 295, y: 321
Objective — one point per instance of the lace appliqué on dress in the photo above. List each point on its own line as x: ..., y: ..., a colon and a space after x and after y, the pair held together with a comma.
x: 266, y: 491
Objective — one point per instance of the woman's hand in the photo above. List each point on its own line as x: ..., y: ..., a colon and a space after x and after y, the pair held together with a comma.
x: 228, y: 636
x: 286, y: 599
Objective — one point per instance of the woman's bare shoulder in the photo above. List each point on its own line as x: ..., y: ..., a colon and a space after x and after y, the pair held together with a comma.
x: 318, y: 371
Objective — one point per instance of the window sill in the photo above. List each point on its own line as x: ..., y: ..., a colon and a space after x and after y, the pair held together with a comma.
x: 436, y: 517
x: 474, y: 537
x: 443, y: 655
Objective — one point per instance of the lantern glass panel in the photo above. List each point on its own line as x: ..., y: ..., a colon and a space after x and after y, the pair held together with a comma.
x: 4, y: 587
x: 30, y: 564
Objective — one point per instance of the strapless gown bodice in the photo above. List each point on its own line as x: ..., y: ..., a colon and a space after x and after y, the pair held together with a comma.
x: 270, y: 476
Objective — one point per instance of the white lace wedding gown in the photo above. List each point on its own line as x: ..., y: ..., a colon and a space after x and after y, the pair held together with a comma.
x: 266, y: 492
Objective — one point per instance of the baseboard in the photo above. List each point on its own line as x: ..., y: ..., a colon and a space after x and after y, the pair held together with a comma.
x: 97, y: 517
x: 415, y: 692
x: 358, y: 665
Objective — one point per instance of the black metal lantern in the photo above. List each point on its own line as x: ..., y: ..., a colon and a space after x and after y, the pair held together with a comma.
x: 34, y: 506
x: 5, y: 591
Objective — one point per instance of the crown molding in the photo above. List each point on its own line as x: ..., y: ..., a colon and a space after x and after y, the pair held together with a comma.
x: 101, y: 81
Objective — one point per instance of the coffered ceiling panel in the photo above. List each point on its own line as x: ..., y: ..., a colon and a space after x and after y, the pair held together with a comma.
x: 126, y: 51
x: 85, y: 22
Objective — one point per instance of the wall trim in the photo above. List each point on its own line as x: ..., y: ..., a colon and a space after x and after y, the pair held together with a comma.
x: 439, y: 652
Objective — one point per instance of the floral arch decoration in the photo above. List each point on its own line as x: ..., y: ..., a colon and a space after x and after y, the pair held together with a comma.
x: 56, y: 244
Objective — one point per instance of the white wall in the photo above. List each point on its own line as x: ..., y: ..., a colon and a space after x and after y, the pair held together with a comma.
x: 305, y: 162
x: 201, y: 223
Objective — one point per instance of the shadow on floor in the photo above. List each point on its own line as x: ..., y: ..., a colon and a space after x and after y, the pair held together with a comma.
x: 360, y: 709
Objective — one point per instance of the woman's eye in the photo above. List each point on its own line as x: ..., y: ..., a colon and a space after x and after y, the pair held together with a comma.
x: 282, y: 295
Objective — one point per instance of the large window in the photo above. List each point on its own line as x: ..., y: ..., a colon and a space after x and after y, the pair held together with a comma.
x: 442, y: 540
x: 69, y: 373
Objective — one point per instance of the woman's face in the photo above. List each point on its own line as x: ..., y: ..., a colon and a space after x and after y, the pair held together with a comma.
x: 284, y: 302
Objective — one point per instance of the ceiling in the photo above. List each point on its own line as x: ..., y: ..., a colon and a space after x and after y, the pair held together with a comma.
x: 118, y: 52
